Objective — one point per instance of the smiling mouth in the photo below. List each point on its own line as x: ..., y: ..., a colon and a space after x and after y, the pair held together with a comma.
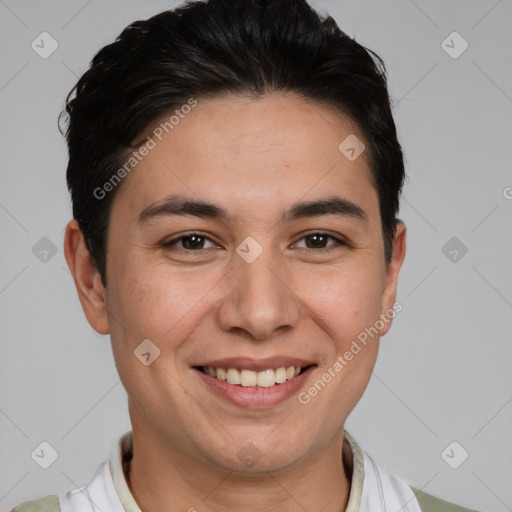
x: 254, y: 379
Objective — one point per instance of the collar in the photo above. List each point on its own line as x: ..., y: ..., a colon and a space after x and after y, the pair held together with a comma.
x: 122, y: 453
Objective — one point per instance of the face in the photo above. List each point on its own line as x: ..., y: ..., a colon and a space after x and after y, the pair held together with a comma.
x: 258, y: 279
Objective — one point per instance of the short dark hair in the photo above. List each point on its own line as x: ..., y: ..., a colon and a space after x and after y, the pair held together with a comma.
x: 212, y: 48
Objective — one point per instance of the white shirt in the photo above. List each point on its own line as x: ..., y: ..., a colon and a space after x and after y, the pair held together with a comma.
x: 372, y: 489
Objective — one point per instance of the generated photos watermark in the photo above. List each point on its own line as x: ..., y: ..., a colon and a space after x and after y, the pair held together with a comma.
x: 138, y: 155
x: 342, y: 360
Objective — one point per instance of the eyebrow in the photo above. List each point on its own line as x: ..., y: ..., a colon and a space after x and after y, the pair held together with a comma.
x: 179, y: 205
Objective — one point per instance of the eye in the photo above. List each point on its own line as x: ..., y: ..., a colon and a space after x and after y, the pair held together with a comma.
x: 191, y: 243
x: 318, y: 240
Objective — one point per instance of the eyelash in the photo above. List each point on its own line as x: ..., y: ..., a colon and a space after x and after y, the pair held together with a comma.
x: 338, y: 242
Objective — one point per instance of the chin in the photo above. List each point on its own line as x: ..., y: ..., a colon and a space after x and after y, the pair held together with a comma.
x: 259, y: 453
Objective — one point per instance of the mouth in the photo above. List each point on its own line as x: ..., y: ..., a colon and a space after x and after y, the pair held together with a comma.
x: 246, y: 378
x: 255, y: 384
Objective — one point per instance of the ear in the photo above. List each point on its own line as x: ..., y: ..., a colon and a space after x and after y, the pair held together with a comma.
x: 91, y: 291
x: 392, y: 270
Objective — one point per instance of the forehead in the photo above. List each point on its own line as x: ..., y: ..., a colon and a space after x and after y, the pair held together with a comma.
x: 276, y: 148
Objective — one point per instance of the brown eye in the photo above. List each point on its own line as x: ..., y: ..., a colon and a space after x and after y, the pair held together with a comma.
x: 192, y: 242
x: 316, y: 242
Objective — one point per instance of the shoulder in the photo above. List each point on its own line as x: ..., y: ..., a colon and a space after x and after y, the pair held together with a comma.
x: 429, y: 503
x: 46, y: 504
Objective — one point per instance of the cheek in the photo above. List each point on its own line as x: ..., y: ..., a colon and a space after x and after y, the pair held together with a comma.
x: 347, y: 308
x: 147, y: 302
x: 344, y: 301
x: 151, y: 300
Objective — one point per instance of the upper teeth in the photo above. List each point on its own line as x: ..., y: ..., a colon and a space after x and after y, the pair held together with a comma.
x: 249, y: 378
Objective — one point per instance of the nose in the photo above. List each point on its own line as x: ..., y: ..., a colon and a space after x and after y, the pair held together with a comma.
x: 259, y: 298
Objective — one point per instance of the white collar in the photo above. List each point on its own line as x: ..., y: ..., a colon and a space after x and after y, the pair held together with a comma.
x: 372, y: 489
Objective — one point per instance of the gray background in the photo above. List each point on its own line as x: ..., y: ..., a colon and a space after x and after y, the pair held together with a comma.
x: 444, y: 370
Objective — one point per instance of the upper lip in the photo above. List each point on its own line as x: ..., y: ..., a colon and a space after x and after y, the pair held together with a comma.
x: 257, y: 365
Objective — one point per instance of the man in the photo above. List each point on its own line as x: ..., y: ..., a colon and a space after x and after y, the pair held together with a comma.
x: 235, y: 176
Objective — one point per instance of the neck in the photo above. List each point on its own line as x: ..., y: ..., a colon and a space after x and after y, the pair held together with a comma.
x: 160, y: 475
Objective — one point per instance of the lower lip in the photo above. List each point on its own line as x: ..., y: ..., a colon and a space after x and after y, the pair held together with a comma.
x: 253, y: 397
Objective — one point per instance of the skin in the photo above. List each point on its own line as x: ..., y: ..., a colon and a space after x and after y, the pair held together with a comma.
x: 254, y: 158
